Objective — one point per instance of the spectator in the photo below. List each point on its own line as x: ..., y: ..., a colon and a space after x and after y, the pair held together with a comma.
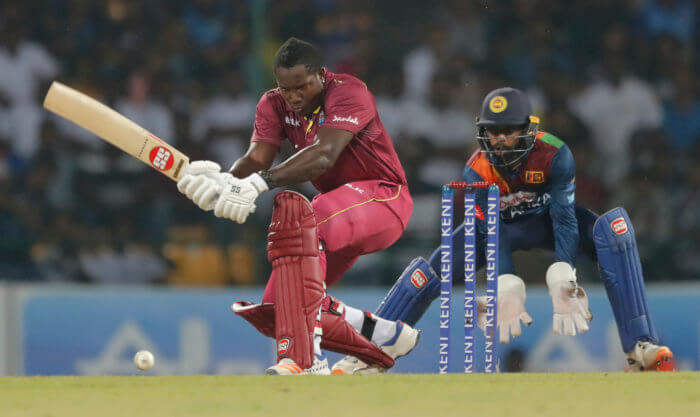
x: 224, y: 121
x: 613, y: 108
x: 448, y: 128
x: 24, y: 65
x: 629, y: 149
x: 670, y: 17
x: 146, y: 111
x: 421, y: 64
x: 682, y: 112
x: 205, y: 21
x: 387, y: 87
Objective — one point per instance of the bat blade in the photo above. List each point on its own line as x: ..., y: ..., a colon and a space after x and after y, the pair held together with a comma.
x: 116, y: 129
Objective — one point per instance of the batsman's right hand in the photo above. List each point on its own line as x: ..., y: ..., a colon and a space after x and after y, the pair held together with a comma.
x: 200, y: 183
x: 511, y: 307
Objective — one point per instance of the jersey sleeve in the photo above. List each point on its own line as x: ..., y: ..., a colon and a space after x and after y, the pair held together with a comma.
x: 561, y: 209
x: 268, y: 125
x: 349, y: 107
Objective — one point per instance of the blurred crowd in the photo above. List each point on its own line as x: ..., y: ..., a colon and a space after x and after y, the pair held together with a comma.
x: 615, y: 80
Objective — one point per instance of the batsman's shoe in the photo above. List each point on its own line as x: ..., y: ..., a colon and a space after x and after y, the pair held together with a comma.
x: 648, y: 356
x: 287, y: 366
x: 401, y: 344
x: 348, y: 365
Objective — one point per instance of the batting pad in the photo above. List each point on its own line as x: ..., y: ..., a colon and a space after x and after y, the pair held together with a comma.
x: 339, y: 336
x: 293, y: 249
x: 621, y: 271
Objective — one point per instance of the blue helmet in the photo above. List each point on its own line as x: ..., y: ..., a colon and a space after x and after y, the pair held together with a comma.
x: 506, y: 110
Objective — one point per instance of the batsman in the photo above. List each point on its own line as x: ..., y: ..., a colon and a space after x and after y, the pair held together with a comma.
x: 364, y: 206
x: 535, y: 173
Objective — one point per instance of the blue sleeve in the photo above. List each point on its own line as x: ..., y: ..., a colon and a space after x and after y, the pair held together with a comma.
x: 561, y: 208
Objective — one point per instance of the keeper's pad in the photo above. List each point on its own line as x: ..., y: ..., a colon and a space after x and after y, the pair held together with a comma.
x: 338, y: 335
x: 411, y: 294
x: 621, y: 272
x: 293, y: 250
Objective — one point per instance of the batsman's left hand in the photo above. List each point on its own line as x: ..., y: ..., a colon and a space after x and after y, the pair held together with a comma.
x: 511, y: 307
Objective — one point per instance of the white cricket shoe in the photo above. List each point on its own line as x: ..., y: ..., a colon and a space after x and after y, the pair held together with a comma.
x: 648, y: 356
x: 403, y: 343
x: 287, y: 366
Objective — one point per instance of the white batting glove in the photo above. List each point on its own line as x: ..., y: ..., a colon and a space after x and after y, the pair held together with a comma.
x: 569, y: 301
x: 199, y: 182
x: 237, y: 196
x: 511, y: 307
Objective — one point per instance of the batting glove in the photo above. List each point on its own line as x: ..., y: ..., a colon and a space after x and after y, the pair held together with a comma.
x: 237, y: 197
x: 199, y: 182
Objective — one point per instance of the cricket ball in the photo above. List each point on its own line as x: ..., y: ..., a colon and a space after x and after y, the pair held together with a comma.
x: 144, y: 360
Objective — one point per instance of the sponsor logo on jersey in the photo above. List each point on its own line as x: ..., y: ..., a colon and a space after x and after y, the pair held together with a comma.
x: 418, y: 279
x: 291, y: 121
x: 161, y: 158
x: 348, y: 119
x: 498, y: 104
x: 521, y: 203
x: 534, y: 177
x: 619, y: 226
x: 283, y: 346
x: 352, y: 187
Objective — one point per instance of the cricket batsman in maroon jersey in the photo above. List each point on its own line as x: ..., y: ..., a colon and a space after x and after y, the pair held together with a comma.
x: 364, y: 206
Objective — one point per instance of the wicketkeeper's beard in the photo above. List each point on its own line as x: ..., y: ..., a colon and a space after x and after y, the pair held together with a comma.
x: 502, y: 155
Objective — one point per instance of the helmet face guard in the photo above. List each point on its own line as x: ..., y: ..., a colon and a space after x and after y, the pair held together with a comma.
x: 508, y: 157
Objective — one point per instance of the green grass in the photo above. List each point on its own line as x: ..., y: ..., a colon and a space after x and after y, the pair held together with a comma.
x: 514, y: 395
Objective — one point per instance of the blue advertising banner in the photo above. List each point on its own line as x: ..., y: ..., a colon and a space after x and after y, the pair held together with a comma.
x: 96, y: 331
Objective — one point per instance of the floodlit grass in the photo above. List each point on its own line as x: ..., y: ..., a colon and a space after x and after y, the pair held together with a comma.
x: 514, y: 395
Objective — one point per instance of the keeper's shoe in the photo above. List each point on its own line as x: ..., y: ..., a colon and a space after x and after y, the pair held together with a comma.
x: 648, y: 356
x: 402, y: 344
x: 287, y: 366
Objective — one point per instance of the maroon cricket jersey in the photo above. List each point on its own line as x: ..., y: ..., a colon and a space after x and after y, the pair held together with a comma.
x: 348, y: 105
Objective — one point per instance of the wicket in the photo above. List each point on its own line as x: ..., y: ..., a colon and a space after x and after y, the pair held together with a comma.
x: 470, y: 254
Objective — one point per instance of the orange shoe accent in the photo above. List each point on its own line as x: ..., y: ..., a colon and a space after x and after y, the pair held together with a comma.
x: 338, y: 372
x: 664, y: 361
x: 293, y: 368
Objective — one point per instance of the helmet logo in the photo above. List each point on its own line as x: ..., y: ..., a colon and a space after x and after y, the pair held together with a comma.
x: 498, y: 104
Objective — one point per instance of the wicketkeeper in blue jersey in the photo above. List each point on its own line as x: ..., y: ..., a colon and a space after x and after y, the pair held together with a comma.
x: 535, y: 173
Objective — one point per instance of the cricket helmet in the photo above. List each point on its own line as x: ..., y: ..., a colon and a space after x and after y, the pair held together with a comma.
x: 506, y: 110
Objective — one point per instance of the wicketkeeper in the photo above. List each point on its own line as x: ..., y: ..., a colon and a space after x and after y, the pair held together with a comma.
x: 535, y: 173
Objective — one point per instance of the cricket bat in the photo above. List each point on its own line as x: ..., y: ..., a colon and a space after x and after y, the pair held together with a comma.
x: 116, y: 129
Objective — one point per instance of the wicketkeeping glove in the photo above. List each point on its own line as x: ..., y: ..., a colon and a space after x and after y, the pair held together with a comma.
x: 569, y: 301
x: 511, y: 307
